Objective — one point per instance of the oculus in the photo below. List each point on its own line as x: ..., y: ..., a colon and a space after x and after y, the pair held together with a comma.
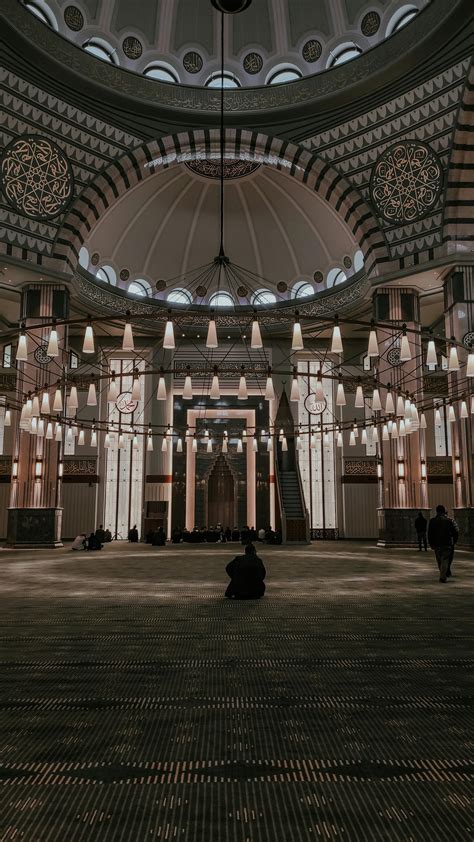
x: 406, y: 182
x: 36, y: 177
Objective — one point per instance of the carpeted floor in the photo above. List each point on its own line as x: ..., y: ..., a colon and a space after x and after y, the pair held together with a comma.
x: 139, y: 704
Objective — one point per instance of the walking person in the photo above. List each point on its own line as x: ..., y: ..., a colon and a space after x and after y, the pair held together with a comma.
x: 421, y: 525
x: 442, y: 536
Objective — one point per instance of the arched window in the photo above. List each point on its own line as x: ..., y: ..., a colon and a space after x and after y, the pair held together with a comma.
x: 100, y: 49
x: 106, y: 274
x: 401, y: 17
x: 343, y: 53
x: 302, y: 289
x: 358, y: 261
x: 84, y: 258
x: 221, y: 299
x: 224, y: 80
x: 335, y: 276
x: 139, y: 287
x: 179, y: 296
x: 284, y: 74
x: 162, y: 73
x: 263, y: 296
x: 41, y: 10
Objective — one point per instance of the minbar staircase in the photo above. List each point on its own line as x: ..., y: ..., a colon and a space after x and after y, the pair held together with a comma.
x: 293, y: 514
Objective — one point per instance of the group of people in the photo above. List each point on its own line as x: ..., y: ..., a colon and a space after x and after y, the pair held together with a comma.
x: 95, y: 541
x: 217, y: 534
x: 156, y: 537
x: 441, y: 533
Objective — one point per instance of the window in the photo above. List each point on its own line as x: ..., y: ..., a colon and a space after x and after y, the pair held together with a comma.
x: 106, y: 274
x: 283, y: 75
x: 226, y: 80
x: 42, y: 11
x: 100, y: 49
x: 302, y: 289
x: 179, y: 296
x: 7, y: 358
x: 401, y: 18
x: 336, y: 276
x: 73, y: 360
x: 358, y: 261
x: 84, y: 258
x: 221, y: 299
x: 139, y: 287
x: 263, y: 296
x: 162, y: 73
x: 344, y: 53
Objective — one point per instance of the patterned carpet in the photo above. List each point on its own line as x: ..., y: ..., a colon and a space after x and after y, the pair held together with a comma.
x: 139, y: 704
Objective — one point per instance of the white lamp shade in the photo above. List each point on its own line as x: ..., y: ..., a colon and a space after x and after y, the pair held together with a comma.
x: 7, y: 421
x: 402, y: 428
x: 58, y: 401
x: 179, y: 445
x: 385, y: 435
x: 149, y: 444
x: 336, y: 343
x: 319, y: 391
x: 389, y: 404
x: 363, y: 438
x: 269, y: 444
x: 240, y: 447
x: 22, y: 349
x: 211, y: 341
x: 224, y: 445
x: 168, y: 339
x: 88, y: 344
x: 135, y: 442
x: 423, y: 424
x: 113, y: 392
x: 188, y: 388
x: 359, y: 398
x: 299, y: 443
x: 400, y: 407
x: 405, y: 353
x: 33, y: 426
x: 352, y: 440
x: 376, y: 402
x: 58, y: 433
x: 73, y: 402
x: 215, y: 392
x: 209, y: 446
x: 269, y: 390
x: 255, y: 444
x: 35, y: 407
x: 107, y: 439
x: 437, y: 416
x: 93, y: 438
x: 373, y: 347
x: 340, y: 395
x: 53, y: 346
x: 453, y: 360
x: 80, y: 438
x: 339, y: 440
x: 242, y: 393
x: 375, y: 436
x: 470, y: 365
x: 136, y: 389
x: 92, y: 395
x: 195, y: 445
x: 431, y: 356
x: 45, y: 405
x: 256, y: 338
x: 161, y: 390
x: 69, y: 435
x: 295, y: 394
x: 297, y: 340
x: 49, y: 431
x: 40, y: 427
x: 127, y: 342
x: 463, y: 413
x: 451, y: 414
x: 284, y: 444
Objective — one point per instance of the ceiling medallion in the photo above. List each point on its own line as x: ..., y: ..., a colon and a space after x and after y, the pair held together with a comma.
x: 370, y: 24
x: 36, y: 177
x: 95, y: 258
x: 312, y: 50
x: 347, y: 262
x: 282, y: 286
x: 124, y: 274
x: 231, y: 7
x: 242, y: 292
x: 314, y: 405
x: 192, y: 62
x: 41, y: 356
x: 73, y: 18
x: 253, y: 63
x: 201, y: 291
x: 468, y: 339
x: 132, y: 47
x: 318, y: 277
x: 234, y: 168
x: 126, y: 404
x: 406, y: 182
x: 393, y: 356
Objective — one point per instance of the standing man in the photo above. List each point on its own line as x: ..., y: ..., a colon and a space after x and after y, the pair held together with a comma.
x: 421, y: 525
x: 442, y: 536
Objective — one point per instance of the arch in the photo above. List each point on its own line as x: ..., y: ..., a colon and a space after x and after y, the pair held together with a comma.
x: 172, y: 150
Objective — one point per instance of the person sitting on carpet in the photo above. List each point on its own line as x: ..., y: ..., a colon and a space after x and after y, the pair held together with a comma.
x: 93, y: 543
x: 246, y: 573
x: 79, y: 542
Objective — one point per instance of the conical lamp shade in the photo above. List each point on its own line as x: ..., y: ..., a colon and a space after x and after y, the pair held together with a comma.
x: 168, y: 339
x: 49, y: 431
x: 35, y: 407
x: 405, y: 353
x: 93, y: 438
x: 225, y: 448
x: 164, y: 445
x: 269, y: 390
x: 113, y: 392
x: 88, y: 344
x: 242, y: 393
x: 149, y: 444
x: 295, y: 394
x: 256, y: 338
x: 373, y: 347
x: 431, y: 357
x: 92, y: 395
x: 136, y: 389
x: 340, y: 395
x: 22, y: 349
x: 188, y: 388
x: 284, y: 445
x: 389, y: 404
x: 45, y: 407
x: 215, y: 393
x: 127, y: 342
x: 376, y: 402
x: 80, y: 438
x: 53, y: 348
x: 463, y: 413
x: 359, y: 398
x: 240, y: 447
x: 297, y: 340
x: 336, y: 342
x: 211, y: 341
x: 453, y: 360
x: 179, y: 445
x: 58, y: 433
x: 319, y: 391
x: 73, y: 402
x: 161, y: 390
x: 58, y: 401
x: 400, y: 407
x: 470, y: 365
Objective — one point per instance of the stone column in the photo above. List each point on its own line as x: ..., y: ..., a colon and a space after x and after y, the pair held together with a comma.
x: 403, y: 493
x: 34, y: 515
x: 459, y: 323
x: 159, y: 464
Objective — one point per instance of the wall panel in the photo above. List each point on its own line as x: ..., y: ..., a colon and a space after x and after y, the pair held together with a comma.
x: 4, y: 503
x: 360, y: 510
x: 79, y: 509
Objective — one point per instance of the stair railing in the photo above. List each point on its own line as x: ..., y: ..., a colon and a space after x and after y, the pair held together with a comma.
x: 303, y: 502
x: 280, y: 502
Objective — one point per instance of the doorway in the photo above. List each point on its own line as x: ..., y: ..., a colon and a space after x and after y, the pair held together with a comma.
x: 221, y: 494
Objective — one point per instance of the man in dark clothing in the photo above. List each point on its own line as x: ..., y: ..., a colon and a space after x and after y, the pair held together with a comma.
x: 421, y: 525
x: 159, y: 538
x: 100, y: 534
x: 247, y: 573
x: 133, y: 534
x: 442, y: 536
x: 93, y: 543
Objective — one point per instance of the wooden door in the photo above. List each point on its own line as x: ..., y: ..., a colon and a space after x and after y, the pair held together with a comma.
x: 221, y: 495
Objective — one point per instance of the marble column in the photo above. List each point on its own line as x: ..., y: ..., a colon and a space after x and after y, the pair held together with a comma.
x: 34, y: 515
x: 459, y: 323
x: 403, y: 491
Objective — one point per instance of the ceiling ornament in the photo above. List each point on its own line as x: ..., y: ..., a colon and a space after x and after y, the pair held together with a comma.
x: 468, y: 339
x: 370, y: 24
x: 242, y: 292
x: 95, y: 258
x: 36, y: 177
x: 282, y: 286
x: 312, y: 50
x: 318, y: 277
x: 132, y: 47
x: 192, y: 62
x: 393, y: 356
x: 73, y: 18
x: 124, y: 274
x: 201, y: 291
x: 160, y: 285
x: 253, y: 63
x: 406, y: 182
x: 347, y: 262
x: 41, y: 356
x: 233, y: 168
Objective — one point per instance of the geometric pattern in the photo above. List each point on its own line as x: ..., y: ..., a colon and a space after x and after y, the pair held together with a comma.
x: 73, y: 18
x: 36, y: 177
x: 138, y: 703
x: 406, y: 182
x: 232, y: 169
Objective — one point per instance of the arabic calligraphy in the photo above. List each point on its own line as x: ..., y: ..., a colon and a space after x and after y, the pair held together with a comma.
x: 406, y: 182
x: 36, y: 177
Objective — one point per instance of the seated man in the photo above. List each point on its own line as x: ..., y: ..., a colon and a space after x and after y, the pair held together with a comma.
x: 176, y: 536
x: 159, y: 538
x: 247, y: 573
x: 261, y: 534
x: 93, y: 543
x: 133, y: 534
x: 79, y: 542
x: 108, y: 536
x: 100, y: 534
